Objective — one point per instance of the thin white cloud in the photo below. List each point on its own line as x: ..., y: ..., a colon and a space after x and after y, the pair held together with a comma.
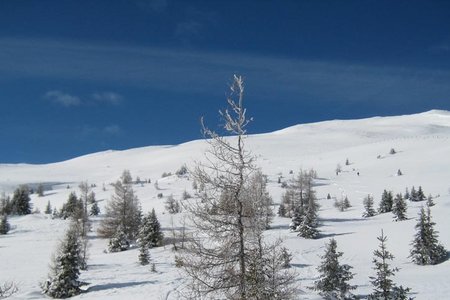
x: 62, y: 98
x: 107, y: 98
x: 205, y: 72
x: 113, y: 130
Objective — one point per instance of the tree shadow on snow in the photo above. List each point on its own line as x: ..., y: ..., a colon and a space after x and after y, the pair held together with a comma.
x: 330, y: 235
x: 102, y: 287
x: 339, y: 220
x: 279, y: 226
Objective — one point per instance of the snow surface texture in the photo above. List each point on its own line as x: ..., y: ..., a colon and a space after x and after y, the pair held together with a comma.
x: 422, y: 143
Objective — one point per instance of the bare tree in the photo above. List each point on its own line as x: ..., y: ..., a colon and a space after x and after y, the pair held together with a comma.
x: 220, y: 257
x: 122, y: 210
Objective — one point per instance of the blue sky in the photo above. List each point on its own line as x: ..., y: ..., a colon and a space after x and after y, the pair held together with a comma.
x: 78, y: 77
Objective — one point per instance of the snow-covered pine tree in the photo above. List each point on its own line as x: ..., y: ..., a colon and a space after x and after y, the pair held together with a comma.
x: 63, y: 278
x: 48, y: 208
x: 119, y: 241
x: 384, y: 286
x: 308, y: 228
x: 334, y: 277
x: 95, y: 210
x: 386, y: 202
x: 346, y: 203
x: 426, y: 249
x: 407, y: 195
x: 430, y: 201
x: 369, y: 211
x: 144, y: 255
x: 150, y: 231
x: 399, y: 208
x: 281, y: 211
x: 413, y: 195
x: 420, y: 195
x: 20, y: 202
x: 4, y: 224
x: 40, y: 190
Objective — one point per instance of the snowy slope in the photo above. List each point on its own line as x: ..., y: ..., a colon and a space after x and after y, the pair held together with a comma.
x: 422, y: 142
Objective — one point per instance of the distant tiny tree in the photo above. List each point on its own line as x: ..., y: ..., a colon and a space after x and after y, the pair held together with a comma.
x: 48, y: 208
x: 5, y: 204
x: 334, y: 277
x: 286, y: 257
x: 399, y: 172
x: 338, y: 169
x: 65, y: 269
x: 172, y: 205
x: 413, y: 194
x: 91, y: 197
x: 95, y: 210
x: 420, y: 194
x: 328, y: 196
x: 369, y: 211
x: 392, y: 151
x: 182, y: 171
x: 399, y: 208
x: 430, y: 201
x: 406, y: 194
x: 21, y: 201
x: 386, y: 202
x: 384, y: 286
x: 426, y: 249
x: 144, y: 255
x: 40, y: 190
x: 4, y: 224
x: 186, y: 195
x: 281, y: 211
x: 347, y: 162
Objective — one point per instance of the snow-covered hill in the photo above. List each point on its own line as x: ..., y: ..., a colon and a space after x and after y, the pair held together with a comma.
x: 422, y: 143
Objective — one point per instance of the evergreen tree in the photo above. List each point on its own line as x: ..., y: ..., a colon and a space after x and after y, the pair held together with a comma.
x: 384, y: 287
x: 63, y: 280
x: 48, y: 208
x: 150, y: 231
x: 21, y: 201
x: 430, y: 201
x: 426, y: 249
x: 369, y: 211
x: 399, y: 208
x: 73, y: 208
x: 308, y: 227
x: 346, y: 203
x: 286, y: 257
x: 172, y: 205
x: 4, y: 224
x: 407, y: 195
x: 144, y: 255
x: 297, y: 218
x: 413, y: 196
x: 334, y: 277
x: 281, y: 211
x: 420, y: 194
x: 119, y: 241
x: 95, y: 210
x: 386, y: 202
x: 5, y: 205
x: 40, y: 190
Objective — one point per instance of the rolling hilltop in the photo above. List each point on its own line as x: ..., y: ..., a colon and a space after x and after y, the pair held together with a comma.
x: 422, y: 146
